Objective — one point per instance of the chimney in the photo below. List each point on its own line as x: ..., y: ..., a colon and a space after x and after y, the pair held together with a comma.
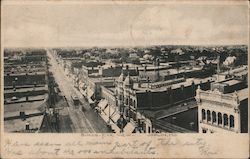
x: 137, y: 70
x: 218, y: 64
x: 22, y: 115
x: 27, y: 126
x: 127, y: 70
x: 139, y: 84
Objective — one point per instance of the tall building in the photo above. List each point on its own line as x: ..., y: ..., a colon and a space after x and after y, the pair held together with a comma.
x: 224, y: 108
x: 126, y: 97
x: 127, y: 105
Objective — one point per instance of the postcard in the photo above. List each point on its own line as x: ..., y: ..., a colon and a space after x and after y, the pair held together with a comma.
x: 124, y: 79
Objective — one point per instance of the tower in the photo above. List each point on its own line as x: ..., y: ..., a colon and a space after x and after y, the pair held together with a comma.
x: 128, y: 88
x: 120, y: 91
x: 218, y: 64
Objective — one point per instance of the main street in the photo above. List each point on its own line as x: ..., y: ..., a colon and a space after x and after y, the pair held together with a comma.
x: 83, y: 122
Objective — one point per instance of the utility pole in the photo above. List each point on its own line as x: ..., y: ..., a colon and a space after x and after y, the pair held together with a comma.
x: 129, y: 105
x: 218, y: 64
x: 109, y: 116
x: 218, y: 67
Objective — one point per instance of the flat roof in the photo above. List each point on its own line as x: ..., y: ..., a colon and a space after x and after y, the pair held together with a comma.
x: 171, y: 71
x: 112, y: 89
x: 241, y: 73
x: 238, y: 70
x: 103, y: 79
x: 24, y: 73
x: 168, y: 110
x: 40, y: 64
x: 19, y: 125
x: 188, y: 82
x: 29, y: 108
x: 26, y: 89
x: 152, y: 67
x: 243, y: 94
x: 109, y: 65
x: 23, y: 99
x: 232, y: 82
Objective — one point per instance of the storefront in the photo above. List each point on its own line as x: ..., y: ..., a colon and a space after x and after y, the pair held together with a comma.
x: 90, y: 95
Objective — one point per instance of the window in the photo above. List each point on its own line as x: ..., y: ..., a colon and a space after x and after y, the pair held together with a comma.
x: 130, y: 102
x: 225, y: 117
x: 208, y: 115
x: 214, y: 117
x: 203, y: 114
x: 231, y: 121
x: 127, y: 113
x: 219, y: 118
x: 126, y: 101
x: 204, y: 131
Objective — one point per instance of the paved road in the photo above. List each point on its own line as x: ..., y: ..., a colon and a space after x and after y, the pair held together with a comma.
x: 83, y: 122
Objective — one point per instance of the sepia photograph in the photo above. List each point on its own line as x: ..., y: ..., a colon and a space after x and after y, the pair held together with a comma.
x: 113, y: 67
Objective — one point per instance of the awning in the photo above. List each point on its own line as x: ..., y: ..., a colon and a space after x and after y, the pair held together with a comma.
x: 83, y: 92
x: 115, y: 128
x: 76, y: 78
x: 90, y: 101
x: 90, y: 93
x: 115, y: 116
x: 140, y: 116
x: 109, y: 108
x: 103, y: 104
x: 81, y: 84
x: 129, y: 128
x: 104, y: 117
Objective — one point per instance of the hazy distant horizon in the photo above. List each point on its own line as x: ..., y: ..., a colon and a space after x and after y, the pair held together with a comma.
x: 89, y: 47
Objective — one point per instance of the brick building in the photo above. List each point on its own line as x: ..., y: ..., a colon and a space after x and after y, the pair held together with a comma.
x: 224, y: 108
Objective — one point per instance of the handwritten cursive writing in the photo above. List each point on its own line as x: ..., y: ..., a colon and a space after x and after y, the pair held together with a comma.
x: 101, y: 146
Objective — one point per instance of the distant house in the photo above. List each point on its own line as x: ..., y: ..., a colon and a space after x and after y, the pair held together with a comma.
x: 147, y: 57
x: 177, y: 51
x: 133, y: 55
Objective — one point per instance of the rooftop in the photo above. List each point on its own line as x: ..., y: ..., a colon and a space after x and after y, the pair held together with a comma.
x: 239, y: 70
x: 232, y: 82
x: 244, y: 72
x: 144, y: 86
x: 26, y: 89
x: 243, y: 94
x: 103, y: 79
x: 24, y: 73
x: 18, y: 125
x: 173, y: 71
x: 112, y: 89
x: 109, y: 65
x: 14, y: 109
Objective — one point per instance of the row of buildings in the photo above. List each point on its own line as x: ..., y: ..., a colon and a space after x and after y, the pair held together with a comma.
x: 25, y: 90
x: 150, y: 98
x: 224, y: 108
x: 32, y: 100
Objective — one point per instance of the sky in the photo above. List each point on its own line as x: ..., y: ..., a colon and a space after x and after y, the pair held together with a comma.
x: 111, y: 24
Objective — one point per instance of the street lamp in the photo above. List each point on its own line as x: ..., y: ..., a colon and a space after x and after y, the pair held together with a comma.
x: 128, y: 117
